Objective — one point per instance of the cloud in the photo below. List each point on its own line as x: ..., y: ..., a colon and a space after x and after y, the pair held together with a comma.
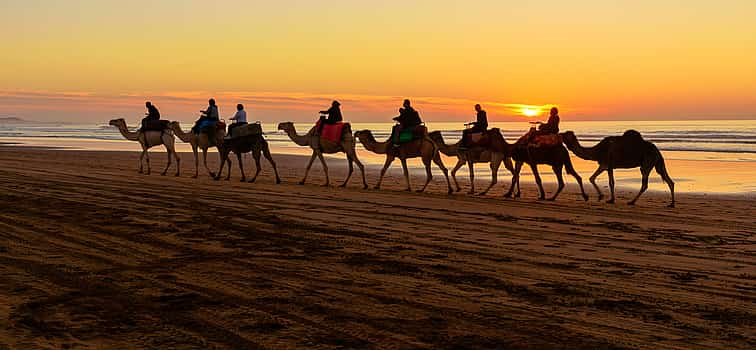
x: 267, y: 106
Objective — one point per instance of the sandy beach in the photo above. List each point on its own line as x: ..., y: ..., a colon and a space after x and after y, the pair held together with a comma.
x: 94, y: 255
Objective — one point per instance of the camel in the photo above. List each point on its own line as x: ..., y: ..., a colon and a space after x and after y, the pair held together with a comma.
x: 148, y: 140
x: 201, y: 141
x: 474, y: 155
x: 423, y: 147
x: 554, y: 155
x: 320, y: 146
x: 622, y: 152
x: 244, y: 144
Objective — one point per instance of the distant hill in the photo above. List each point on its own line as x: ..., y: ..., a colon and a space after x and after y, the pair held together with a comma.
x: 12, y: 120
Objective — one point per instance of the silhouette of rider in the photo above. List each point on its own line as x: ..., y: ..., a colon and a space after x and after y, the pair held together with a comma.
x: 479, y: 125
x: 334, y: 116
x: 151, y: 115
x: 408, y: 118
x: 240, y: 118
x: 211, y: 113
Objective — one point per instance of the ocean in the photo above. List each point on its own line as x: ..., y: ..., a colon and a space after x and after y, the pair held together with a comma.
x: 703, y: 156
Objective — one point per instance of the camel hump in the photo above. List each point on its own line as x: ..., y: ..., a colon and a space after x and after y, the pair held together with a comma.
x: 633, y: 134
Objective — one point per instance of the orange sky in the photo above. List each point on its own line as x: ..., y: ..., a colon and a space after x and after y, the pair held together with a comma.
x: 664, y: 59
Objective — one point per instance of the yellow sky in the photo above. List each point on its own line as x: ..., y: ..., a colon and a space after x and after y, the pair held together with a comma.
x: 596, y: 59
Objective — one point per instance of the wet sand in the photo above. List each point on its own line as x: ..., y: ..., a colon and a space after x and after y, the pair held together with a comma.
x: 94, y: 255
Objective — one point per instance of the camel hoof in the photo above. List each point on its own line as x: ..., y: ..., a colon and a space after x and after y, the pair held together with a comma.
x: 301, y: 182
x: 243, y: 180
x: 251, y: 181
x: 195, y: 176
x: 551, y: 199
x: 278, y: 181
x: 600, y: 198
x: 458, y: 189
x: 407, y: 190
x: 450, y: 191
x: 216, y: 178
x: 419, y: 191
x: 377, y: 187
x: 611, y: 201
x: 162, y: 174
x: 541, y: 198
x: 365, y: 187
x: 631, y: 203
x: 585, y: 197
x: 342, y: 185
x: 671, y: 205
x: 508, y: 195
x: 211, y: 175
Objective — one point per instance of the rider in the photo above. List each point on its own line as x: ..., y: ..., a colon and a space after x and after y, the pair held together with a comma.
x: 552, y: 125
x: 211, y: 113
x: 152, y: 114
x: 240, y: 118
x: 408, y: 118
x: 480, y: 125
x: 334, y: 116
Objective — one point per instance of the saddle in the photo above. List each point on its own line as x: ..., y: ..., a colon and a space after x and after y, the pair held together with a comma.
x: 156, y: 125
x: 246, y: 130
x: 479, y: 139
x: 409, y: 134
x: 534, y: 139
x: 331, y: 132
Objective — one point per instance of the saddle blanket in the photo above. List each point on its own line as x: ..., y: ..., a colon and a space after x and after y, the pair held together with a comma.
x: 331, y: 132
x: 246, y: 130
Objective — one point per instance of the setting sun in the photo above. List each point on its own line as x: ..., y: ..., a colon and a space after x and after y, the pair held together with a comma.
x: 530, y: 112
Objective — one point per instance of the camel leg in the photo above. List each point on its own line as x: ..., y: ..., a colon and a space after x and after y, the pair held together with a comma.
x: 428, y: 174
x: 440, y: 164
x: 645, y: 171
x: 256, y: 156
x: 147, y: 158
x: 560, y: 181
x: 494, y: 175
x: 223, y: 157
x: 362, y: 168
x: 459, y: 164
x: 389, y: 160
x: 515, y: 179
x: 571, y: 170
x: 309, y: 165
x: 592, y: 179
x: 325, y: 169
x: 168, y: 151
x: 204, y: 160
x: 406, y: 174
x: 241, y: 167
x: 534, y: 168
x: 178, y: 162
x: 610, y: 172
x: 471, y: 168
x: 196, y: 162
x: 661, y: 169
x: 141, y: 161
x: 351, y: 170
x: 266, y: 154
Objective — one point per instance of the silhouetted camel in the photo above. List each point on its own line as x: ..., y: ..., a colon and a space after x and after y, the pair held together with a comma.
x: 622, y: 152
x: 320, y: 146
x: 556, y: 156
x: 149, y: 139
x: 423, y: 147
x: 244, y: 144
x: 492, y: 155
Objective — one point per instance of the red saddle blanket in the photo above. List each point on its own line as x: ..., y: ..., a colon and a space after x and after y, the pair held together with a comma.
x: 331, y: 132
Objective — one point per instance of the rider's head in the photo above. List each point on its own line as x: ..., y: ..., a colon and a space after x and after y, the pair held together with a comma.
x: 211, y: 102
x: 148, y: 104
x: 477, y: 107
x: 239, y: 107
x: 335, y: 103
x: 406, y: 103
x: 554, y: 111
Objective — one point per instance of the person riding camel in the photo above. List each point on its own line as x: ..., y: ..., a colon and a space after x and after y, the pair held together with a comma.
x: 408, y: 118
x: 551, y: 127
x: 208, y: 115
x: 479, y: 125
x: 334, y: 116
x: 240, y: 118
x: 151, y: 115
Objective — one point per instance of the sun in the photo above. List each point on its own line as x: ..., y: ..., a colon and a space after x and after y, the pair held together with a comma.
x: 530, y: 112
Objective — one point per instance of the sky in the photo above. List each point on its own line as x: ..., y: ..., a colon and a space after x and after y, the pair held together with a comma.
x: 80, y: 60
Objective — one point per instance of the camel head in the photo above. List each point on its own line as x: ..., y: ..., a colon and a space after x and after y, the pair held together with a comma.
x: 286, y: 126
x: 437, y: 137
x: 364, y: 135
x: 175, y: 125
x: 568, y: 137
x: 117, y: 122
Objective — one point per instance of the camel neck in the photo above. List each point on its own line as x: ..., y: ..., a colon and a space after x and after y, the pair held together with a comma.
x: 184, y: 136
x: 449, y: 150
x: 580, y: 151
x: 374, y: 146
x: 129, y: 135
x: 301, y: 140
